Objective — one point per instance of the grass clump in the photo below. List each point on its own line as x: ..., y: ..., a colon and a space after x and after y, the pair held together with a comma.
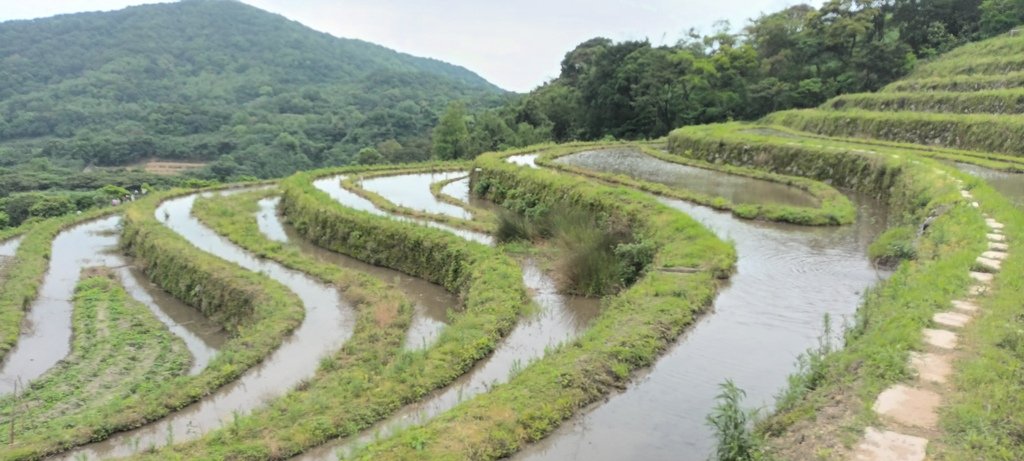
x: 894, y: 246
x: 733, y: 426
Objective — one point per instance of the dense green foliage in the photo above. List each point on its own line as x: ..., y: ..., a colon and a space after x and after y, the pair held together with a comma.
x: 118, y: 348
x: 797, y: 57
x: 214, y: 80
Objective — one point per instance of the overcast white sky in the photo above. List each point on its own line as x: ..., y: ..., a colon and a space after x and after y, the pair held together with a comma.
x: 515, y: 44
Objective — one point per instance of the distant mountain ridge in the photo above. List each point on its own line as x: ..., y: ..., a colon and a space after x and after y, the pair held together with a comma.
x: 188, y: 77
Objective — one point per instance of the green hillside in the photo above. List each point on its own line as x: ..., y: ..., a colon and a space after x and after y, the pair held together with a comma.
x: 204, y: 80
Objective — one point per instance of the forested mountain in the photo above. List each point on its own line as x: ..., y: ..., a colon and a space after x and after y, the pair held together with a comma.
x: 796, y: 57
x: 214, y: 80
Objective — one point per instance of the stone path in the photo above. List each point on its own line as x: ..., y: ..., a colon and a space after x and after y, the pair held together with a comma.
x: 909, y: 411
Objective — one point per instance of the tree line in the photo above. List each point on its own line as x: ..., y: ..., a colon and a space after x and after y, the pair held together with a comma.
x: 796, y: 57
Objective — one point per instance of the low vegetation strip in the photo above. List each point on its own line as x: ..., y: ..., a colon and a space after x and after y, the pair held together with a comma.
x: 962, y: 65
x: 979, y: 132
x: 118, y: 347
x: 977, y: 102
x: 829, y: 399
x: 479, y: 214
x: 634, y: 328
x: 834, y: 208
x: 983, y: 417
x: 256, y: 311
x: 25, y: 271
x: 353, y: 183
x: 958, y: 83
x: 1001, y: 162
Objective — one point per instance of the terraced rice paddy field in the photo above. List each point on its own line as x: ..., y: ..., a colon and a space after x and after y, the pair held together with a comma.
x: 580, y: 301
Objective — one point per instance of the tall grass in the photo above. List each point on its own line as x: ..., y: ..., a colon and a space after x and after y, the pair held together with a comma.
x: 732, y: 426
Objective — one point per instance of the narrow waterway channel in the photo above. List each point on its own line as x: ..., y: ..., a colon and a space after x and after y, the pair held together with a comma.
x: 556, y: 319
x: 328, y: 323
x: 788, y: 278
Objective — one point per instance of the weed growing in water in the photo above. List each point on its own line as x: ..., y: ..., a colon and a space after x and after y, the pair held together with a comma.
x: 732, y: 426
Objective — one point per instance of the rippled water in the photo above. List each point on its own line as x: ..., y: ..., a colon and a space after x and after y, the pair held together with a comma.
x: 788, y: 277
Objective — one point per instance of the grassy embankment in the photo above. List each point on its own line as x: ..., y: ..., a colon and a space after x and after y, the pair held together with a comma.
x: 371, y: 377
x: 634, y: 327
x: 830, y: 397
x: 1009, y: 101
x: 957, y: 83
x: 118, y: 347
x: 979, y: 132
x: 1000, y: 162
x: 833, y: 209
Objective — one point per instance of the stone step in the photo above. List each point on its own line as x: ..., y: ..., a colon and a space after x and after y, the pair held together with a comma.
x: 878, y: 445
x: 909, y: 406
x: 975, y: 204
x: 951, y: 319
x: 966, y: 194
x: 967, y: 307
x: 1000, y: 255
x: 995, y: 246
x: 982, y: 277
x: 931, y: 368
x: 993, y: 265
x: 992, y: 223
x: 942, y: 339
x: 978, y: 290
x: 996, y: 237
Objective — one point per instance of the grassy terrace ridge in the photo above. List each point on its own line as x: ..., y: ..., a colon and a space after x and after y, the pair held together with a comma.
x: 352, y: 184
x: 834, y: 208
x: 978, y: 132
x: 997, y: 55
x: 25, y: 271
x: 633, y: 329
x: 1001, y: 162
x: 830, y: 398
x: 118, y: 347
x: 257, y: 312
x: 958, y: 83
x: 1004, y: 101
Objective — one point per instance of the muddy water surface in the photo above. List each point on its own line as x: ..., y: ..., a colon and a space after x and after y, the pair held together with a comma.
x: 788, y: 277
x: 431, y: 302
x: 46, y: 332
x: 327, y: 325
x: 1009, y: 184
x: 737, y: 189
x: 332, y: 186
